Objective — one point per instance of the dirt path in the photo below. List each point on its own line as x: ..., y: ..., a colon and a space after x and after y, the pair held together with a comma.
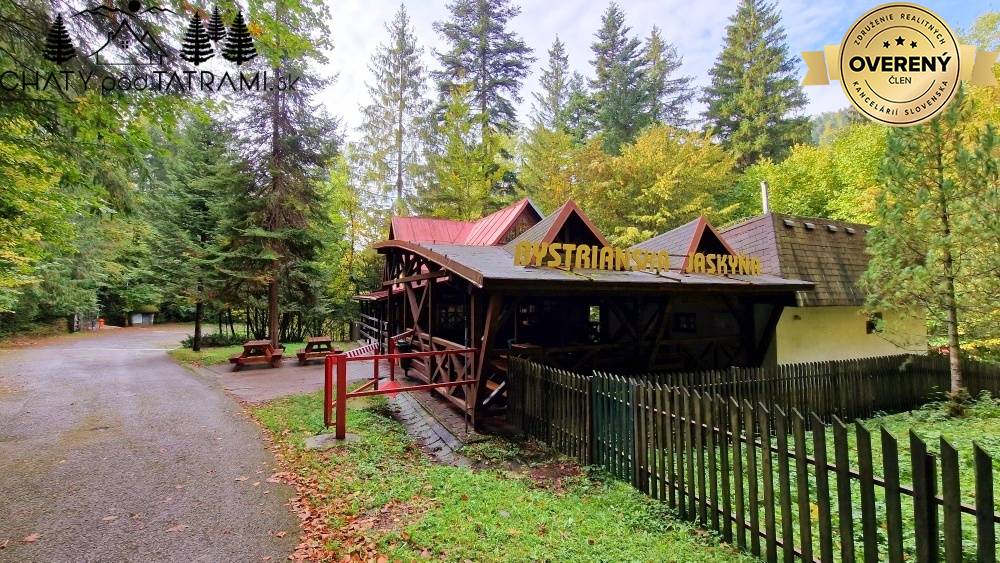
x: 109, y: 451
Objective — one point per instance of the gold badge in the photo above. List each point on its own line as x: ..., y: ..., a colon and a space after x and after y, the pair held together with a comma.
x: 899, y: 64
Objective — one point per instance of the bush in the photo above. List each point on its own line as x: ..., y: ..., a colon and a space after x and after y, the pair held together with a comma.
x: 215, y: 340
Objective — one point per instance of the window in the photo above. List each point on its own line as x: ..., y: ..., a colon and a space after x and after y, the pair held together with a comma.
x: 874, y: 324
x: 685, y: 322
x: 451, y: 321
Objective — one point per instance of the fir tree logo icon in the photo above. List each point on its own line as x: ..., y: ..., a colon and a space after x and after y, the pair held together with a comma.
x: 58, y: 45
x: 239, y: 45
x: 197, y: 48
x: 216, y: 29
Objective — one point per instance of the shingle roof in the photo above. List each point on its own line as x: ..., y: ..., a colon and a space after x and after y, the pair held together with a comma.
x: 683, y: 240
x: 494, y: 266
x: 829, y: 253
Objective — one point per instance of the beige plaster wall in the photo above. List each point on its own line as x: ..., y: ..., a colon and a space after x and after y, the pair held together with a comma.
x: 812, y: 334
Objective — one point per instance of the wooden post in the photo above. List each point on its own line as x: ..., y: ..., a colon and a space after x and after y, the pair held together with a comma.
x: 341, y: 432
x: 327, y: 389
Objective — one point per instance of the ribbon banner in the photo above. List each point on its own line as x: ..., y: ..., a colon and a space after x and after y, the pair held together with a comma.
x: 899, y: 64
x: 823, y: 66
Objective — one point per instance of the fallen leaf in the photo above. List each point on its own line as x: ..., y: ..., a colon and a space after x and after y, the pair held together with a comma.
x: 178, y: 528
x: 256, y: 483
x: 31, y: 538
x: 109, y: 519
x: 280, y: 534
x: 242, y: 478
x: 4, y: 543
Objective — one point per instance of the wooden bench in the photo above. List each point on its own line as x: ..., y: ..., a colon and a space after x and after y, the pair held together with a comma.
x: 257, y: 352
x: 317, y: 348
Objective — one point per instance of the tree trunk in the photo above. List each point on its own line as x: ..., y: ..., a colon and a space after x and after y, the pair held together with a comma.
x: 199, y: 310
x: 951, y: 307
x: 272, y: 311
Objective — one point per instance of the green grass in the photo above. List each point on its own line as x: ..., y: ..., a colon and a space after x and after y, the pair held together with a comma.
x: 415, y: 508
x: 211, y: 356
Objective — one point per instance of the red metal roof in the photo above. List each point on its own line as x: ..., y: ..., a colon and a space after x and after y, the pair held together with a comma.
x: 423, y: 229
x: 490, y: 229
x: 485, y: 232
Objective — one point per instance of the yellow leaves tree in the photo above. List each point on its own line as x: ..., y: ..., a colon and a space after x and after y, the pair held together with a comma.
x: 662, y: 180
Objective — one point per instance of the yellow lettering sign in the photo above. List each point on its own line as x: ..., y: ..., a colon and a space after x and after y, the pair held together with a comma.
x: 583, y: 257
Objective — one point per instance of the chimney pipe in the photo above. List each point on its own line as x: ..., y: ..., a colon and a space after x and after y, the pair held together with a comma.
x: 764, y: 199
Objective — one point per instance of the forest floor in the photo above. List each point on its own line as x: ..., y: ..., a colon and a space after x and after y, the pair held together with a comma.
x: 380, y: 496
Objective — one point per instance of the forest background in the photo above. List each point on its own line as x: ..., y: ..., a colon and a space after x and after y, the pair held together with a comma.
x: 255, y: 212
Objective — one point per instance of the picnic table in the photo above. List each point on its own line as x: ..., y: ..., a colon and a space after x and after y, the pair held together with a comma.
x: 257, y: 352
x: 317, y: 348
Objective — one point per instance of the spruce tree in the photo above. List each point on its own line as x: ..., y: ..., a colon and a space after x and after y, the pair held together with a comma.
x: 620, y: 92
x: 394, y: 120
x: 195, y: 182
x: 669, y: 95
x: 936, y: 246
x: 197, y: 48
x: 216, y: 29
x: 289, y: 140
x: 239, y: 44
x: 481, y: 51
x: 549, y: 109
x: 754, y: 92
x: 58, y: 45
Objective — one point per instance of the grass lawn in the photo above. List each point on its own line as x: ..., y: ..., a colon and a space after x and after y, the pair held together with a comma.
x: 380, y: 495
x: 220, y: 355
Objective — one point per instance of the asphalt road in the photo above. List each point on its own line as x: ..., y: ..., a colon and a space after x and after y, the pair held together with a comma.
x: 109, y: 451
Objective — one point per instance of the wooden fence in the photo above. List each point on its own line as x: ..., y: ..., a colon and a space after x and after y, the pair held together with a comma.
x: 773, y: 483
x: 847, y: 389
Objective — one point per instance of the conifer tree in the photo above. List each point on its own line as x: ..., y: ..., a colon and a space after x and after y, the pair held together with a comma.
x: 755, y: 92
x: 216, y: 29
x: 481, y: 51
x: 620, y: 92
x: 197, y: 48
x: 289, y: 140
x: 394, y: 120
x: 239, y: 44
x: 669, y: 95
x: 936, y: 246
x: 549, y: 108
x: 58, y: 45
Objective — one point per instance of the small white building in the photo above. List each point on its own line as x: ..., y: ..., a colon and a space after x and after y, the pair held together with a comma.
x: 828, y: 322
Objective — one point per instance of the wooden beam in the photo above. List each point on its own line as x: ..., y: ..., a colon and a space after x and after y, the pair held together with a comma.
x: 417, y: 277
x: 490, y: 327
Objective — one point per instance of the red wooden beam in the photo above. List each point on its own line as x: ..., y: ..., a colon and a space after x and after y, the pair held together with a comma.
x: 412, y: 388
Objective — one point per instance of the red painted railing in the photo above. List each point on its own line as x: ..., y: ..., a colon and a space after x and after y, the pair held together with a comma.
x: 339, y: 361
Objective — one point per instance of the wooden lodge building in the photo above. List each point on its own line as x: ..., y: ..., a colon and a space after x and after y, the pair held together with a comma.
x: 551, y: 288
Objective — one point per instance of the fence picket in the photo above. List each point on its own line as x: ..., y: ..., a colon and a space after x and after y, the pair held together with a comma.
x: 784, y: 487
x: 802, y: 486
x: 893, y: 507
x: 985, y: 529
x: 866, y: 471
x: 748, y: 424
x: 680, y: 438
x: 952, y: 523
x: 924, y: 510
